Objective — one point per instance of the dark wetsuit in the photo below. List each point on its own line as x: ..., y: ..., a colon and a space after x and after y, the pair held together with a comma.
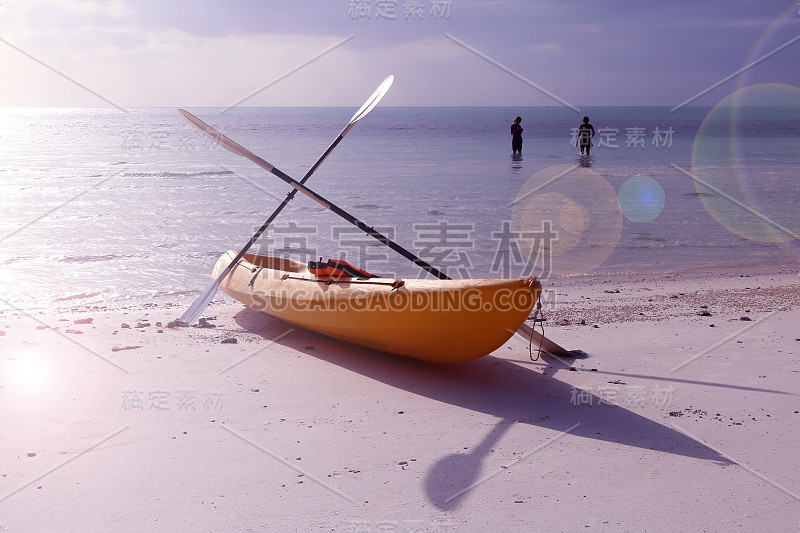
x: 585, y: 134
x: 516, y: 138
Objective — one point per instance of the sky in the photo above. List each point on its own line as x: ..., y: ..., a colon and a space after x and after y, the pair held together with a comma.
x: 181, y: 53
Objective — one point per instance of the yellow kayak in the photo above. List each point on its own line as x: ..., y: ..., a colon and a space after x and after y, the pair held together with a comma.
x: 443, y: 321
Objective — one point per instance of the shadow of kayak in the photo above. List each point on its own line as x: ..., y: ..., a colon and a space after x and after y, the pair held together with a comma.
x: 497, y: 387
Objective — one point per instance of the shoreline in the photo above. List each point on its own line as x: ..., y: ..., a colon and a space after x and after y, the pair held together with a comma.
x: 608, y: 299
x: 666, y: 424
x: 728, y: 270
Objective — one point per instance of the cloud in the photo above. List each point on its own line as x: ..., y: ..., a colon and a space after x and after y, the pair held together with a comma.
x: 206, y: 52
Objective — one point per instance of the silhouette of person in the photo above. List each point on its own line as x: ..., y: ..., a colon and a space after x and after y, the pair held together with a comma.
x: 516, y: 136
x: 585, y: 134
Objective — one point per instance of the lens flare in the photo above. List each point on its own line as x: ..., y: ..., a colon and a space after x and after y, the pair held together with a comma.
x: 568, y: 219
x: 746, y: 165
x: 641, y: 199
x: 40, y: 392
x: 30, y: 373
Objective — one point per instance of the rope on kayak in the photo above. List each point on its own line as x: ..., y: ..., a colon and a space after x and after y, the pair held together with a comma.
x: 257, y: 271
x: 536, y: 314
x: 396, y: 284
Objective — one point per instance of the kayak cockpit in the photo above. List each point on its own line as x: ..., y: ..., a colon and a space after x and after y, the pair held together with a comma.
x: 276, y: 263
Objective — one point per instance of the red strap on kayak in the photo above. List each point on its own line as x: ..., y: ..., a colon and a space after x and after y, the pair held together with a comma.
x: 337, y: 269
x: 318, y: 268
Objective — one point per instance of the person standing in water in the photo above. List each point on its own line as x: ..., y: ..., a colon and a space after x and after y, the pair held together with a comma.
x: 516, y: 136
x: 585, y: 134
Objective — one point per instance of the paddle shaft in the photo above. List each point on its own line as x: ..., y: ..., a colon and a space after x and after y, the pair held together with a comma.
x: 238, y: 149
x: 359, y: 224
x: 200, y: 304
x: 275, y: 213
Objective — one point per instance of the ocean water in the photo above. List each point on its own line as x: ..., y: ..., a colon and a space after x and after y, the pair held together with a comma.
x: 102, y: 207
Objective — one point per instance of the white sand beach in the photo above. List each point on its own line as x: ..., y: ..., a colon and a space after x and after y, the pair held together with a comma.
x: 671, y: 422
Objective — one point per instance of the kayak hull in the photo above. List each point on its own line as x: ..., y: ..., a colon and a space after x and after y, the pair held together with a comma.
x: 442, y: 321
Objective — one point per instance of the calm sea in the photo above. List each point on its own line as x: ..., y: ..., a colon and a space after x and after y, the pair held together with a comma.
x: 109, y: 207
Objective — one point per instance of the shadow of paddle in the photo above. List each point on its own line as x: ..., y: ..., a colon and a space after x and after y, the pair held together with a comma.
x: 499, y: 388
x: 452, y: 476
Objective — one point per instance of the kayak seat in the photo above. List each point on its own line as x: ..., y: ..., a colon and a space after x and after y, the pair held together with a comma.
x: 337, y: 269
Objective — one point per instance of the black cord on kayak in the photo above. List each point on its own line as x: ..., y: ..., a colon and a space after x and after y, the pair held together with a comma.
x: 253, y: 280
x: 536, y: 314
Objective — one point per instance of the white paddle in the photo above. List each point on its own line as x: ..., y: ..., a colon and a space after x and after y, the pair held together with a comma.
x: 199, y: 305
x: 238, y: 149
x: 194, y: 311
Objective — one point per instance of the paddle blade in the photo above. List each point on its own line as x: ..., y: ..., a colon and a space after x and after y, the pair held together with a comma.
x: 224, y: 141
x: 530, y: 334
x: 371, y: 102
x: 199, y: 305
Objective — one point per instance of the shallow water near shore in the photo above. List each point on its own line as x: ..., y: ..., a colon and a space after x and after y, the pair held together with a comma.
x: 104, y: 207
